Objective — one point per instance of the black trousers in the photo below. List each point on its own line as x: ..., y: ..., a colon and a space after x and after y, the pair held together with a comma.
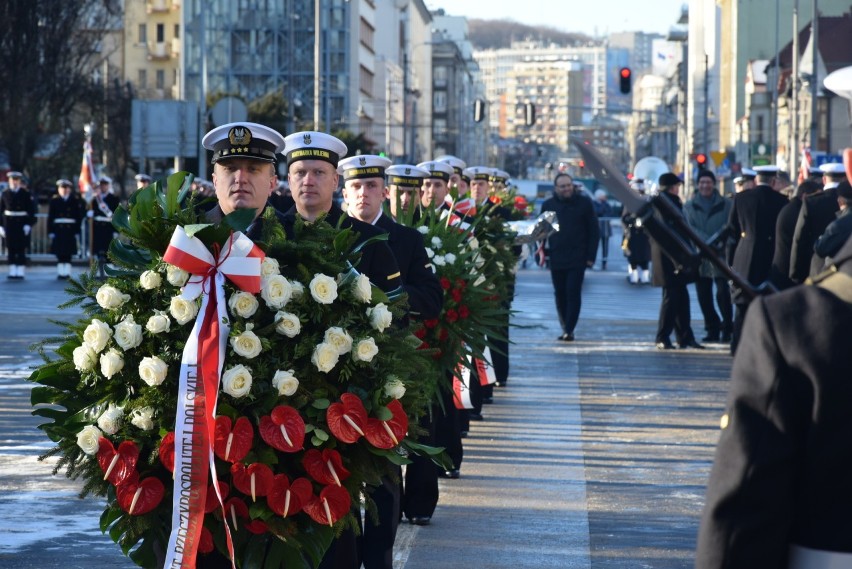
x: 567, y: 289
x: 420, y: 492
x: 377, y: 542
x: 674, y: 315
x: 713, y: 322
x: 448, y: 422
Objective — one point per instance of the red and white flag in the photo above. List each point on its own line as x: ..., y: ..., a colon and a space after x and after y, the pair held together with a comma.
x: 461, y: 388
x: 805, y: 167
x: 86, y: 183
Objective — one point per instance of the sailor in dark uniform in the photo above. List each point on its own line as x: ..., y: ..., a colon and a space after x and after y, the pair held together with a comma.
x: 65, y: 213
x: 779, y: 493
x: 142, y: 181
x: 18, y: 210
x: 364, y: 191
x: 101, y: 208
x: 752, y: 221
x: 458, y: 181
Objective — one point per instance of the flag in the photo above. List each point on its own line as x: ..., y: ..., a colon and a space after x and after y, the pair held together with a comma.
x: 805, y: 167
x: 86, y: 183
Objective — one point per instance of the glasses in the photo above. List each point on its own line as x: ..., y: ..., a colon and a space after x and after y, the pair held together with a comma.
x: 564, y: 186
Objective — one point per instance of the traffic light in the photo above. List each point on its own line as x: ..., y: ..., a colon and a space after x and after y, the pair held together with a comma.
x: 701, y: 160
x: 478, y: 110
x: 625, y: 78
x: 529, y: 114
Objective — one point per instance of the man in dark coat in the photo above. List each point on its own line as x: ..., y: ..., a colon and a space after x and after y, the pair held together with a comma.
x: 785, y: 226
x: 364, y: 191
x: 817, y: 212
x: 839, y: 230
x: 65, y: 212
x: 572, y: 249
x: 752, y: 227
x: 101, y: 208
x: 779, y: 493
x: 674, y: 306
x: 17, y: 211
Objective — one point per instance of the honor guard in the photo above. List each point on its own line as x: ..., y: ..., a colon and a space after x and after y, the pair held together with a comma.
x: 498, y: 179
x: 745, y: 181
x: 100, y: 212
x: 404, y: 182
x: 142, y: 181
x: 457, y: 179
x: 18, y: 209
x: 435, y: 188
x: 65, y: 213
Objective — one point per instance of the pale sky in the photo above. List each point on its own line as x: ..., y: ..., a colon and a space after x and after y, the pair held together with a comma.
x: 592, y: 17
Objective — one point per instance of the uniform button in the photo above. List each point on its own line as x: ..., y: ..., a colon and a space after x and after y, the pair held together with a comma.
x: 742, y: 235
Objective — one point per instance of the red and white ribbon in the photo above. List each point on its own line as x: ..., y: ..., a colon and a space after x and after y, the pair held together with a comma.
x: 200, y: 371
x: 485, y: 369
x: 461, y: 388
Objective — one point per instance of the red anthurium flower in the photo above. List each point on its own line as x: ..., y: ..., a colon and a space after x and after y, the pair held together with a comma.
x: 236, y: 509
x: 445, y: 283
x: 286, y: 498
x: 137, y: 497
x: 495, y: 199
x: 331, y: 505
x: 212, y: 502
x: 325, y: 467
x: 347, y: 419
x: 253, y: 480
x: 205, y: 542
x: 283, y: 429
x: 388, y: 434
x: 119, y: 464
x: 233, y: 444
x: 257, y: 527
x: 420, y: 333
x: 167, y: 451
x: 443, y: 335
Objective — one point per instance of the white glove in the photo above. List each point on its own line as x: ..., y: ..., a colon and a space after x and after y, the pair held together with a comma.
x: 52, y: 235
x: 90, y: 213
x: 27, y: 229
x: 2, y: 232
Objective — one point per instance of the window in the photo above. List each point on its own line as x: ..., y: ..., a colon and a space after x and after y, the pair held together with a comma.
x: 143, y: 33
x: 439, y: 75
x: 366, y: 81
x: 177, y: 31
x: 161, y: 33
x: 143, y: 79
x: 439, y: 127
x: 367, y: 32
x: 439, y: 101
x: 161, y: 79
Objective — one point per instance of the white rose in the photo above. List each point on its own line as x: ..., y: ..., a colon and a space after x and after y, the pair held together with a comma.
x: 158, y: 323
x: 365, y: 350
x: 500, y: 265
x: 128, y: 334
x: 285, y: 382
x: 85, y: 358
x: 298, y: 289
x: 153, y: 370
x: 111, y: 363
x: 246, y: 344
x: 325, y: 357
x: 243, y: 304
x: 110, y: 297
x: 97, y: 334
x: 436, y: 242
x: 479, y: 280
x: 439, y: 260
x: 142, y: 418
x: 380, y: 316
x: 287, y: 324
x: 111, y: 419
x: 176, y: 276
x: 394, y: 388
x: 269, y: 266
x: 276, y: 291
x: 236, y: 381
x: 150, y: 280
x: 89, y: 439
x: 362, y: 289
x: 473, y: 243
x: 423, y: 229
x: 323, y: 288
x: 182, y: 310
x: 450, y: 258
x: 339, y: 338
x: 429, y: 252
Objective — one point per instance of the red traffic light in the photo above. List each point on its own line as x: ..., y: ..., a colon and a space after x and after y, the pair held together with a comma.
x: 701, y: 159
x: 625, y: 77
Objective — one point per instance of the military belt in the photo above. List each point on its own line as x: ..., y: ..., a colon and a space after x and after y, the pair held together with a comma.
x: 15, y: 213
x: 103, y: 218
x: 64, y: 220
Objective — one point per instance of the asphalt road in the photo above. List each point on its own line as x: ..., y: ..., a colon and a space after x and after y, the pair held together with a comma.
x: 594, y: 456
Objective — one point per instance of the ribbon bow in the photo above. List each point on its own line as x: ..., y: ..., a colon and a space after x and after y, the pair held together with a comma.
x: 201, y: 369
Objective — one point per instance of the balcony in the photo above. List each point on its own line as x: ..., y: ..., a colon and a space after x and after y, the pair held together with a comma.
x: 158, y: 6
x: 157, y: 51
x: 176, y: 45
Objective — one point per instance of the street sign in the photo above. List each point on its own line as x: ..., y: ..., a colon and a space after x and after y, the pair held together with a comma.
x: 718, y: 156
x: 761, y: 154
x: 820, y: 159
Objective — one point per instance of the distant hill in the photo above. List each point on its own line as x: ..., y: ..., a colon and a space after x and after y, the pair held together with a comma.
x: 495, y: 34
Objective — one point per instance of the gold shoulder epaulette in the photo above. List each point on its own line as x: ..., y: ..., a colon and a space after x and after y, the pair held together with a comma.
x: 835, y: 282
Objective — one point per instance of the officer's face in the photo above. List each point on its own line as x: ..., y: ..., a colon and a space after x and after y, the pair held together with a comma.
x: 313, y: 183
x: 242, y: 183
x: 705, y: 186
x: 479, y: 190
x: 14, y: 183
x: 63, y: 190
x: 406, y: 196
x: 364, y: 197
x: 433, y: 192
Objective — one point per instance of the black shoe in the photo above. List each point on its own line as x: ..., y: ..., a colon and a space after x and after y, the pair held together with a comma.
x: 454, y: 474
x: 420, y: 520
x: 691, y: 344
x: 711, y: 337
x: 463, y: 434
x: 488, y: 400
x: 665, y: 345
x: 475, y: 416
x: 566, y: 337
x: 726, y: 337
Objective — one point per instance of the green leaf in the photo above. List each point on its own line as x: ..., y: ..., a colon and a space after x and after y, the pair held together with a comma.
x: 255, y: 552
x: 109, y: 516
x: 191, y: 230
x: 384, y: 414
x: 240, y: 219
x: 121, y: 219
x: 321, y: 404
x: 320, y: 434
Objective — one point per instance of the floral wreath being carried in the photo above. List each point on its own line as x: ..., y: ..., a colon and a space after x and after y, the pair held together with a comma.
x: 227, y: 394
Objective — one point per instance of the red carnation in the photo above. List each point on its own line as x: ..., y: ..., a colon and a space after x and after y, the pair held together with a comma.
x: 431, y: 323
x: 452, y: 315
x: 445, y: 283
x: 456, y: 293
x: 464, y: 311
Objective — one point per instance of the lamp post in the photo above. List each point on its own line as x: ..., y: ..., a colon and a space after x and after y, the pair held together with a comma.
x: 317, y: 60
